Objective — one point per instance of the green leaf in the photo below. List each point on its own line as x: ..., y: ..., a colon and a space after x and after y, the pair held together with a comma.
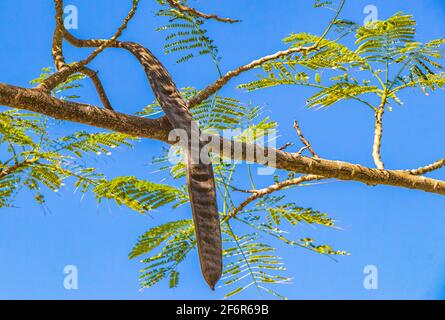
x: 383, y: 41
x: 174, y: 279
x: 340, y: 91
x: 139, y: 195
x: 178, y: 240
x: 155, y: 236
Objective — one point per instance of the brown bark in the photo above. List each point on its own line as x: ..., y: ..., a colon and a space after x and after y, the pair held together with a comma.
x: 18, y: 166
x: 257, y: 194
x: 183, y: 8
x: 158, y: 129
x: 429, y: 168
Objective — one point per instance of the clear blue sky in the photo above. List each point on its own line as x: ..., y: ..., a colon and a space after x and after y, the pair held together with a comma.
x: 399, y: 231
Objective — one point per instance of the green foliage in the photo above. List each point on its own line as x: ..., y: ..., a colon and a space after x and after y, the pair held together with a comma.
x: 332, y: 55
x: 185, y: 35
x: 387, y: 47
x: 323, y: 3
x: 338, y: 92
x: 252, y: 264
x: 269, y: 214
x: 423, y: 71
x: 383, y: 41
x: 80, y: 143
x: 177, y: 239
x: 8, y: 185
x: 294, y: 215
x: 385, y: 59
x: 139, y: 195
x: 248, y: 262
x: 34, y: 159
x: 216, y: 113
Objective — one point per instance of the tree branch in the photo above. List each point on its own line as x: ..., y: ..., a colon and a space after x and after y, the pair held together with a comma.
x: 57, y: 46
x: 304, y: 140
x: 59, y: 77
x: 218, y: 84
x: 59, y: 59
x: 211, y: 89
x: 221, y: 82
x: 159, y: 129
x: 183, y: 8
x: 429, y: 168
x: 378, y: 133
x: 43, y: 103
x: 257, y: 194
x: 99, y: 87
x: 9, y: 170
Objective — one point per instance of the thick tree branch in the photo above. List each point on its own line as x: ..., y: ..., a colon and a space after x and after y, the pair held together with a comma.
x: 183, y: 8
x: 159, y: 129
x: 57, y: 47
x: 43, y: 103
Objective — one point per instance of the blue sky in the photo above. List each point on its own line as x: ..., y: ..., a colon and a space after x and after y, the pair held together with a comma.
x: 399, y: 231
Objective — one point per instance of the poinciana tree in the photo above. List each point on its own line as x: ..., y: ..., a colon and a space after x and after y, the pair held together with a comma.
x: 385, y: 60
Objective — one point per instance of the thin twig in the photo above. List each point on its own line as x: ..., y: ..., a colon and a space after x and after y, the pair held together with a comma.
x: 183, y: 8
x: 302, y: 149
x: 429, y: 168
x: 99, y: 87
x: 257, y: 194
x: 59, y: 77
x: 306, y: 143
x: 218, y: 84
x: 285, y: 146
x: 18, y: 166
x: 59, y: 59
x: 339, y: 10
x: 378, y: 134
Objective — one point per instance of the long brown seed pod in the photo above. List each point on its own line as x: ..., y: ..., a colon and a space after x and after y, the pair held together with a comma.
x: 200, y: 178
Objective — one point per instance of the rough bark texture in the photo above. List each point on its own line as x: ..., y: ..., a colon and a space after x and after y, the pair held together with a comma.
x: 181, y: 7
x: 159, y: 129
